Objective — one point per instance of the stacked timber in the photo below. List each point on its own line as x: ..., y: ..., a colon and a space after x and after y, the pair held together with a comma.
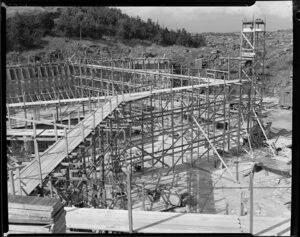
x: 30, y: 214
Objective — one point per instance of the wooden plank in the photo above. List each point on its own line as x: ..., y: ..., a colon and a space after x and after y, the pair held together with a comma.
x: 41, y: 121
x: 50, y: 102
x: 34, y: 203
x: 25, y: 229
x: 32, y: 213
x: 31, y: 219
x: 29, y: 132
x: 266, y: 226
x: 24, y: 220
x: 150, y: 222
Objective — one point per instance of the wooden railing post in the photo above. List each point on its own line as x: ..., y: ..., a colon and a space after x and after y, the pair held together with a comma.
x: 98, y: 100
x: 94, y: 120
x: 19, y: 181
x: 51, y: 187
x: 11, y: 178
x: 66, y: 140
x: 82, y: 130
x: 90, y: 104
x: 69, y: 121
x: 78, y: 114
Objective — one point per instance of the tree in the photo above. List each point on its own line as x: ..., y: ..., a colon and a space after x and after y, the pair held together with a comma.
x: 182, y: 37
x: 26, y: 31
x: 124, y: 30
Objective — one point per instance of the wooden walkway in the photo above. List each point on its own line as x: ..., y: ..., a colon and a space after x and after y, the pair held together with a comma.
x: 150, y: 222
x: 57, y: 152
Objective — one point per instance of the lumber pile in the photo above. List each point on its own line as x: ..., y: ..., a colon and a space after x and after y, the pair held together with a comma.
x: 31, y: 214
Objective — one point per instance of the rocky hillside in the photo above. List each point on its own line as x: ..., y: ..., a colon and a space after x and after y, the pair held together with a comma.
x: 278, y: 64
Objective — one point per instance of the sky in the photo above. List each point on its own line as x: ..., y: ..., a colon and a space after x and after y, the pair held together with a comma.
x: 278, y: 15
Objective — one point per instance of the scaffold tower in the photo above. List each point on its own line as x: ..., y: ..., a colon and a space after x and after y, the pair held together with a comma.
x: 252, y: 57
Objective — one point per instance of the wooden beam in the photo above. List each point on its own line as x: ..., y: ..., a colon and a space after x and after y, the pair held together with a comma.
x: 40, y: 132
x: 42, y: 121
x: 49, y: 102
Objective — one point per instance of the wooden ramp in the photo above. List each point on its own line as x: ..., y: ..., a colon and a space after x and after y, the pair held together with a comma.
x: 150, y: 222
x: 57, y: 152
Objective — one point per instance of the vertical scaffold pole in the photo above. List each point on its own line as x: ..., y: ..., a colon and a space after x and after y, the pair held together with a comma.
x: 251, y: 201
x: 37, y: 155
x: 25, y: 112
x: 228, y: 124
x: 55, y: 127
x: 102, y: 166
x: 67, y: 156
x: 224, y: 117
x: 143, y: 195
x: 129, y: 201
x: 192, y: 114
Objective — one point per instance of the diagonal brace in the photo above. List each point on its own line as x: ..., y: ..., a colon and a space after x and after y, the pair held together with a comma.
x: 212, y: 146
